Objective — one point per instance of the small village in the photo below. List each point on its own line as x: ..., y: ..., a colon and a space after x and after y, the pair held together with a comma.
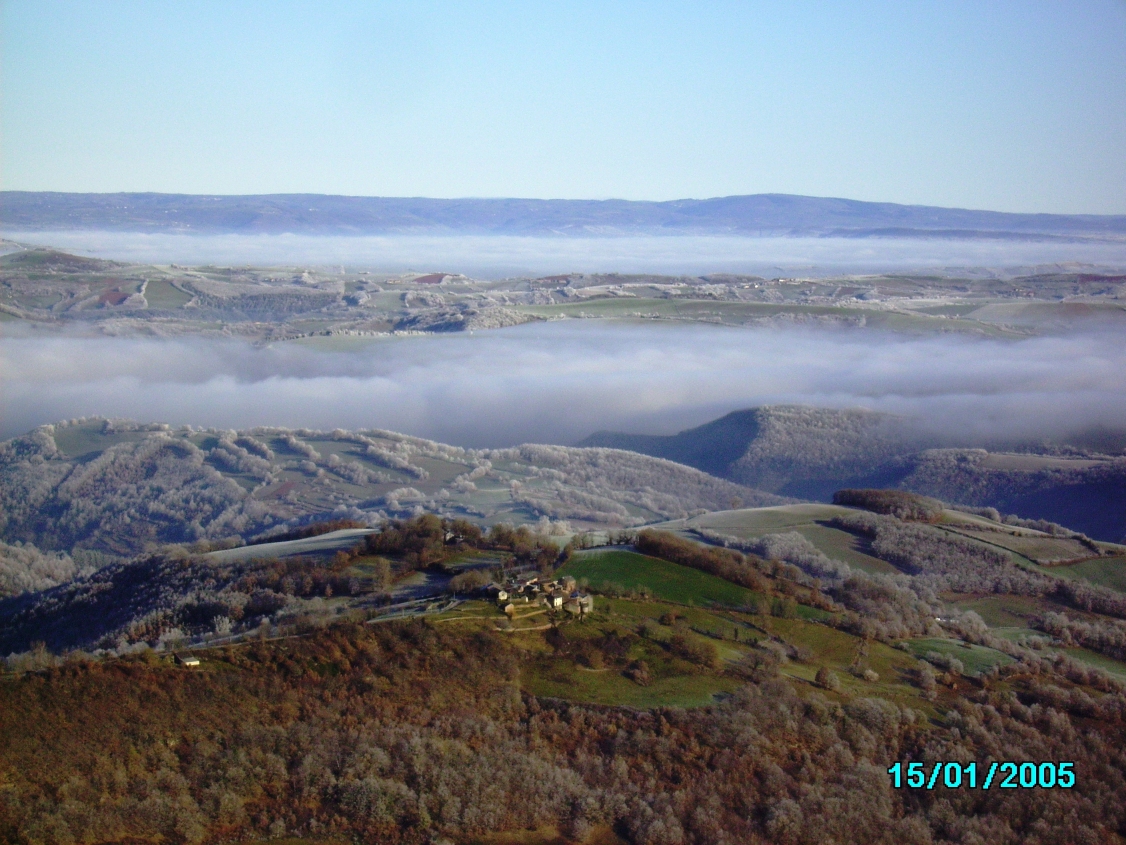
x: 561, y: 594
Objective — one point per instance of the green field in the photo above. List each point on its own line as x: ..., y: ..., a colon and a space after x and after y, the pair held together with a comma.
x: 664, y: 580
x: 1106, y: 572
x: 1003, y: 611
x: 1017, y: 634
x: 1099, y: 661
x: 975, y: 658
x: 78, y: 441
x: 842, y: 546
x: 165, y: 296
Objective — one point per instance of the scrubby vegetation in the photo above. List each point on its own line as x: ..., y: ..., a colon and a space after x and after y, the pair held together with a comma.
x: 1084, y: 497
x: 1102, y: 635
x: 909, y: 507
x: 945, y: 562
x: 160, y: 600
x: 812, y: 452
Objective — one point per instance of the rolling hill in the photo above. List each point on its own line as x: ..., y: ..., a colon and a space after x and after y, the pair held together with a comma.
x: 119, y: 488
x: 811, y: 452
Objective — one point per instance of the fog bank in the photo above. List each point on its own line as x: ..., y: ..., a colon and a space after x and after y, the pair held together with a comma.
x: 496, y: 257
x: 558, y: 382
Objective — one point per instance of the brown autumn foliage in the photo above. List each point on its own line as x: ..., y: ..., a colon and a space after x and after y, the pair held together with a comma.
x: 910, y: 507
x: 405, y: 733
x: 724, y: 563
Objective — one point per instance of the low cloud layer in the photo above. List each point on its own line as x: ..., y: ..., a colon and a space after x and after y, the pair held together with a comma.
x: 558, y: 382
x: 495, y: 257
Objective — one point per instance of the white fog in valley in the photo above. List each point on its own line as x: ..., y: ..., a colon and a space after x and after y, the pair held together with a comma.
x: 558, y: 382
x: 500, y: 256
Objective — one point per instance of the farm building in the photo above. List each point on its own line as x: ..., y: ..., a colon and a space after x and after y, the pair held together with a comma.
x: 187, y: 659
x: 579, y: 604
x: 554, y: 599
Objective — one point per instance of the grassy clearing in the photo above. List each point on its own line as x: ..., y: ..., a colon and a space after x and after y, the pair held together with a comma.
x: 321, y: 544
x: 1099, y: 661
x: 165, y: 296
x: 754, y: 522
x: 832, y: 648
x: 1007, y: 611
x: 1106, y: 572
x: 664, y: 580
x: 842, y: 546
x: 806, y: 519
x: 975, y: 658
x: 577, y: 666
x: 966, y: 520
x: 734, y: 634
x: 78, y: 441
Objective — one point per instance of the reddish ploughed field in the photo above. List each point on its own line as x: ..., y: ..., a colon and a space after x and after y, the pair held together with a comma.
x: 113, y: 297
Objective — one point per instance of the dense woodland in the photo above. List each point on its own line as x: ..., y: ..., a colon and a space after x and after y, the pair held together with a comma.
x: 315, y: 725
x: 402, y: 732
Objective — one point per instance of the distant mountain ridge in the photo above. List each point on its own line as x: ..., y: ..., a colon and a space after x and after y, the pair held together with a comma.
x: 751, y: 215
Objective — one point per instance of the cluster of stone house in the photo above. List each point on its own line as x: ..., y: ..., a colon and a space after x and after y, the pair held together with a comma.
x: 562, y: 594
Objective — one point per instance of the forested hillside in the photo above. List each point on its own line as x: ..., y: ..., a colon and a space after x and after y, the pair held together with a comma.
x: 811, y: 452
x: 121, y: 488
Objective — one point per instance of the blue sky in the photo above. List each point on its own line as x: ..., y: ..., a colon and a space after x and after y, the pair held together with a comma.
x: 1009, y: 106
